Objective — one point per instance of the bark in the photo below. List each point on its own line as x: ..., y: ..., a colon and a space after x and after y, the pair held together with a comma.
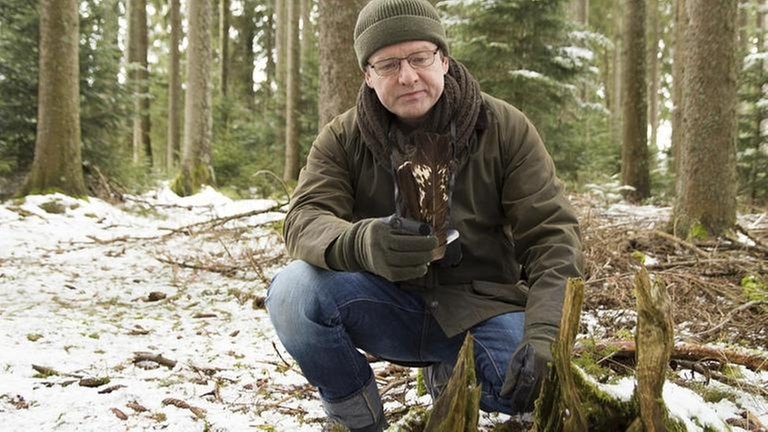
x: 654, y: 339
x: 560, y: 392
x: 196, y: 167
x: 174, y: 90
x: 653, y: 70
x: 678, y: 76
x: 281, y: 60
x: 634, y: 158
x: 616, y: 83
x: 706, y: 202
x: 270, y: 49
x: 687, y: 351
x: 138, y: 76
x: 340, y: 74
x: 57, y: 164
x: 243, y: 61
x: 292, y: 149
x: 224, y: 14
x: 458, y: 407
x: 580, y: 11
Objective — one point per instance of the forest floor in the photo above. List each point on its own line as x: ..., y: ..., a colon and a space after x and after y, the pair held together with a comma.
x: 148, y: 315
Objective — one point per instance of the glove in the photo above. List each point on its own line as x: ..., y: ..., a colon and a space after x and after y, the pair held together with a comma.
x: 526, y: 372
x: 383, y: 247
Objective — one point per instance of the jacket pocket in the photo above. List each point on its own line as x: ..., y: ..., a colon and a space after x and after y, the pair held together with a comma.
x: 516, y: 294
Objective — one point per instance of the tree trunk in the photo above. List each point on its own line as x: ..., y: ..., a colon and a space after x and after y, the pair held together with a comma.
x: 616, y: 83
x: 196, y: 167
x: 292, y: 148
x: 634, y: 157
x: 270, y: 49
x: 57, y: 165
x: 580, y: 11
x: 707, y: 202
x: 138, y: 76
x: 224, y: 45
x: 653, y: 71
x: 339, y: 71
x: 244, y: 57
x: 678, y: 76
x: 174, y: 90
x: 281, y: 61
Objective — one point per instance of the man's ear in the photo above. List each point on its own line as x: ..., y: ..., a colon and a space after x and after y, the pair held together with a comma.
x: 444, y: 60
x: 368, y: 77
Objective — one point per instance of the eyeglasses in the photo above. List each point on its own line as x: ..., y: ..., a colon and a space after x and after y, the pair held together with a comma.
x: 417, y: 60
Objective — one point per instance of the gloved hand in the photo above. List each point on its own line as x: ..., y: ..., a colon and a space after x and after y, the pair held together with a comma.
x: 526, y: 372
x: 382, y: 248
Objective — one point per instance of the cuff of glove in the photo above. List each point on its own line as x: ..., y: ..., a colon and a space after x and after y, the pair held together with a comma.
x: 340, y: 254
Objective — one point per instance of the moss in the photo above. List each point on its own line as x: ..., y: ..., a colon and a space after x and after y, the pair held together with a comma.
x: 188, y: 182
x: 53, y: 207
x: 711, y: 394
x: 698, y: 232
x: 421, y: 388
x: 639, y: 256
x: 34, y: 337
x: 754, y: 288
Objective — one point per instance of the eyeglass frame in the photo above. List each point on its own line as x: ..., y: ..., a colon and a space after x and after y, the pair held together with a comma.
x: 400, y: 62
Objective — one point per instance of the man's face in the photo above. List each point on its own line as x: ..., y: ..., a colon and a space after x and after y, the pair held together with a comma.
x: 410, y: 92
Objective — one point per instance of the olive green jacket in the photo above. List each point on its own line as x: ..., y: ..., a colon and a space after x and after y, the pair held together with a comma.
x: 507, y: 205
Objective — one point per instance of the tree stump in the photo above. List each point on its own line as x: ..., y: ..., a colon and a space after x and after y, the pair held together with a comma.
x: 654, y: 339
x: 458, y: 407
x: 568, y: 400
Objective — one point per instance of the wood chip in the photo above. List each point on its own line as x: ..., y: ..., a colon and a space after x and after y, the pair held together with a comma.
x: 119, y: 414
x: 93, y: 382
x: 110, y: 389
x: 157, y: 358
x: 156, y: 296
x: 197, y: 411
x: 136, y: 406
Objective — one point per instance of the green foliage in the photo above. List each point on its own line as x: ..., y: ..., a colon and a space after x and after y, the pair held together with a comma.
x: 540, y: 66
x: 18, y: 85
x: 102, y: 99
x: 755, y: 288
x: 752, y: 145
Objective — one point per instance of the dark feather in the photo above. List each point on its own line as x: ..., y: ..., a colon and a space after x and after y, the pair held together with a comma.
x: 423, y: 173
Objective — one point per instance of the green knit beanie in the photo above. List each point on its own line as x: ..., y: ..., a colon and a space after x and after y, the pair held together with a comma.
x: 387, y: 22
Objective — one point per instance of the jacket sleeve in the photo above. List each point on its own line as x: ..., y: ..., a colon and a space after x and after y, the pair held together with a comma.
x: 321, y: 206
x: 542, y: 223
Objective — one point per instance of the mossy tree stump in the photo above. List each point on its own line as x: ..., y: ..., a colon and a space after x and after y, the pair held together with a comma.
x: 570, y: 402
x: 458, y: 407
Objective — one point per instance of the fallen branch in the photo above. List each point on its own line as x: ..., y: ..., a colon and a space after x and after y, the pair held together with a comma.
x: 156, y: 358
x: 723, y: 378
x: 681, y: 242
x: 683, y: 351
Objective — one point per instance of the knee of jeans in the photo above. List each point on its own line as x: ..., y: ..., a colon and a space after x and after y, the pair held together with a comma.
x: 295, y: 295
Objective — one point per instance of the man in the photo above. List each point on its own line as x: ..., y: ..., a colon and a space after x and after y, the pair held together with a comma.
x: 362, y: 284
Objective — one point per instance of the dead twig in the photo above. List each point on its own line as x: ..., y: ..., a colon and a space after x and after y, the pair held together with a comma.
x: 684, y: 351
x: 197, y: 411
x: 730, y: 316
x: 141, y: 356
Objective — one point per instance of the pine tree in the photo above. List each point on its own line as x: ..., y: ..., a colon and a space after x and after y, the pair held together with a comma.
x: 57, y: 164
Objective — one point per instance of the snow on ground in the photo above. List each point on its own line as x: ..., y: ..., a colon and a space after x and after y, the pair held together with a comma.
x: 75, y: 284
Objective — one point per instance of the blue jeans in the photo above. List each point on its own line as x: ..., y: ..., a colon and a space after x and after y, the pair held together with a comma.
x: 322, y: 318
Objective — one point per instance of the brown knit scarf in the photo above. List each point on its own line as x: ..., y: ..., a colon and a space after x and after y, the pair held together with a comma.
x: 460, y: 103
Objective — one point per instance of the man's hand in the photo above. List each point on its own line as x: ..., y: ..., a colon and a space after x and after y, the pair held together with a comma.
x: 525, y: 374
x: 383, y: 248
